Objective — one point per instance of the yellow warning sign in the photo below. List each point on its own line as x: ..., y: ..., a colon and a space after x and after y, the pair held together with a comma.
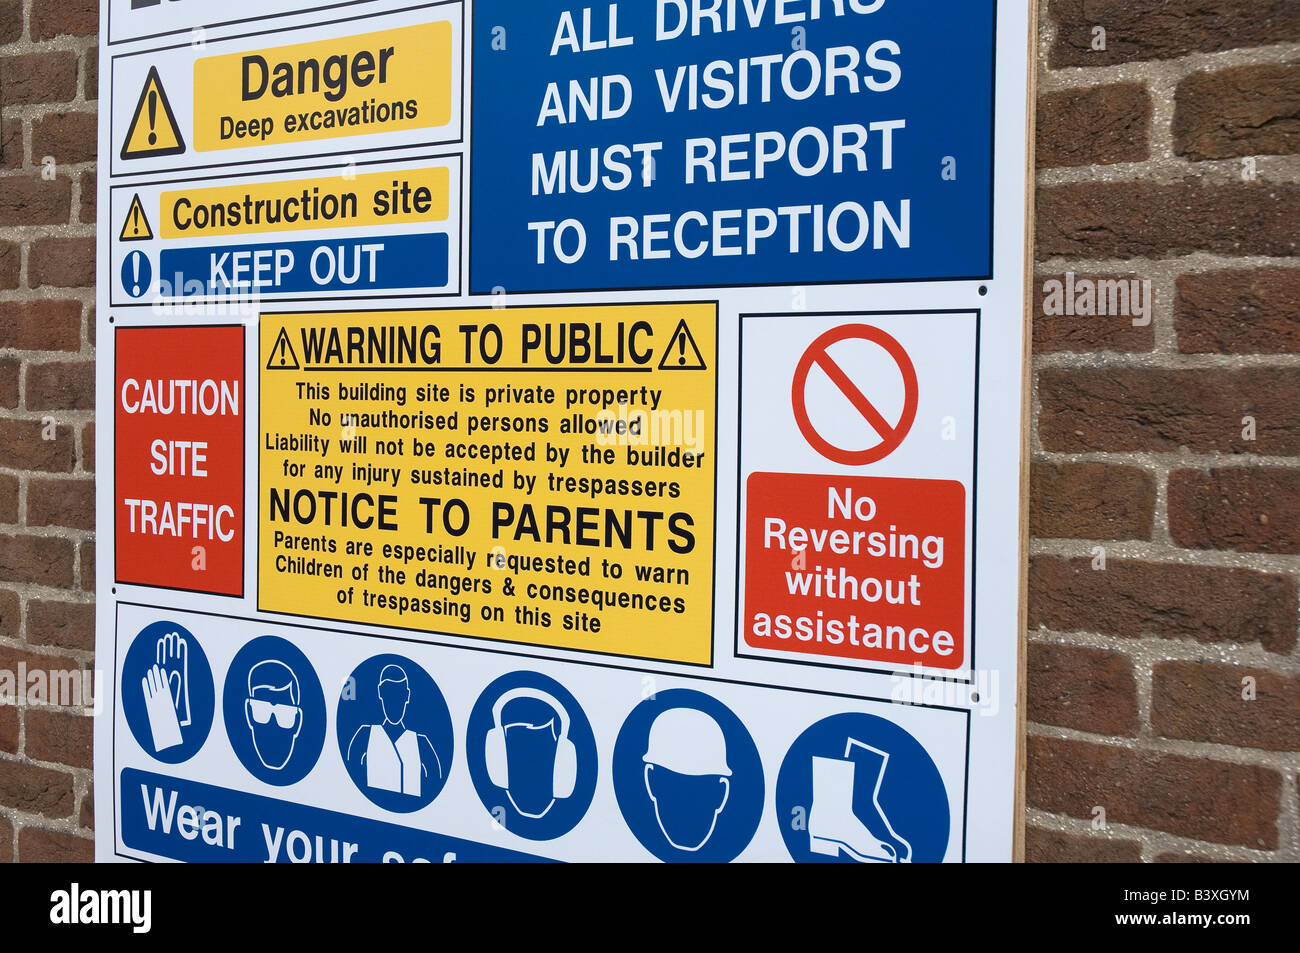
x: 375, y: 198
x: 282, y: 357
x: 348, y: 86
x: 136, y: 226
x: 681, y: 354
x: 153, y: 130
x: 529, y: 475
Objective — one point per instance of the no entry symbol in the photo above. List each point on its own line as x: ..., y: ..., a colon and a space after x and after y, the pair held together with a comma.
x: 858, y: 389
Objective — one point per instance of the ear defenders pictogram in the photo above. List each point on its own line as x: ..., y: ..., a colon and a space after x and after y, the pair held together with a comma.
x: 566, y: 755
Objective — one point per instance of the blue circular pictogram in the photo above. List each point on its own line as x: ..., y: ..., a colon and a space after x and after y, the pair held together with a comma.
x: 854, y: 788
x: 274, y: 711
x: 167, y: 692
x: 137, y: 274
x: 688, y: 778
x: 532, y: 755
x: 394, y: 733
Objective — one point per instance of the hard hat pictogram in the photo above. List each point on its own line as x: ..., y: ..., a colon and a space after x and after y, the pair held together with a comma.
x: 687, y: 741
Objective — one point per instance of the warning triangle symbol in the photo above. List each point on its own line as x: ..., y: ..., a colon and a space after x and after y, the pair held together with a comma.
x: 282, y: 357
x: 136, y: 227
x: 153, y: 130
x: 681, y: 353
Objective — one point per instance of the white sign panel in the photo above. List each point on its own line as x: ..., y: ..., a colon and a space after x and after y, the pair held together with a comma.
x: 546, y: 432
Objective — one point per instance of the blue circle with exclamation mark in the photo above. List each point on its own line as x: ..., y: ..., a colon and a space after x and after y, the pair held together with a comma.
x: 137, y: 273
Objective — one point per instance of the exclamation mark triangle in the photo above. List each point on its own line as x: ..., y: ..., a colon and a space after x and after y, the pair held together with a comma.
x: 153, y: 130
x: 681, y: 353
x: 282, y: 357
x: 136, y: 227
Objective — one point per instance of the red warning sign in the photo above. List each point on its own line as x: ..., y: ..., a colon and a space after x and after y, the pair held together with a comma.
x: 864, y: 568
x: 179, y: 461
x: 858, y: 390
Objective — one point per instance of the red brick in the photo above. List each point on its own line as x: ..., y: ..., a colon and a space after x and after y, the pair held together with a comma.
x: 6, y: 841
x: 33, y: 78
x: 51, y: 18
x: 31, y: 200
x: 1134, y: 599
x: 88, y: 566
x: 65, y: 625
x: 9, y: 368
x: 89, y: 198
x: 1203, y: 701
x: 86, y: 816
x: 11, y: 144
x: 1090, y: 501
x: 61, y: 385
x: 10, y: 614
x: 1168, y: 410
x: 11, y: 29
x: 1103, y: 220
x: 35, y: 789
x: 1248, y: 509
x: 1054, y: 847
x: 1169, y: 857
x: 1192, y: 797
x: 11, y: 262
x: 27, y: 449
x: 39, y: 846
x: 1097, y: 125
x: 60, y: 736
x: 12, y: 657
x: 42, y: 325
x: 62, y: 262
x: 42, y: 560
x: 1239, y: 312
x: 8, y: 728
x: 1112, y: 331
x: 88, y: 447
x: 69, y: 503
x: 8, y: 498
x: 91, y: 85
x: 1088, y: 689
x: 1246, y: 111
x: 1157, y: 30
x: 68, y: 136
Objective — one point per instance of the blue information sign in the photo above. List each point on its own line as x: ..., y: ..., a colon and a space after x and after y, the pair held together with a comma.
x: 643, y: 146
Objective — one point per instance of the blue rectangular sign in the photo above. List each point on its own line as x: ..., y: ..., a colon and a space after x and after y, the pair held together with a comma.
x: 186, y: 820
x: 390, y: 262
x: 677, y: 143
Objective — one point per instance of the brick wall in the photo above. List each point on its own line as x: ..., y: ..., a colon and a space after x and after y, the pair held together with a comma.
x: 1141, y: 453
x: 48, y: 86
x: 1164, y: 688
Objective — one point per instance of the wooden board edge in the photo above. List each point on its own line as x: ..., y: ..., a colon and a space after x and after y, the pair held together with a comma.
x: 1019, y: 822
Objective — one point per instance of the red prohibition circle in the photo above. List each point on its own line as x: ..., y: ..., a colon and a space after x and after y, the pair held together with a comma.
x: 892, y: 434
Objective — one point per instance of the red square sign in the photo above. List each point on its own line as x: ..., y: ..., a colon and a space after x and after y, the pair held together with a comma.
x: 179, y: 458
x: 864, y: 568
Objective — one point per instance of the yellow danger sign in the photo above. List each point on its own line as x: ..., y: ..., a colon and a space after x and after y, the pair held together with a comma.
x: 153, y: 130
x: 135, y: 228
x: 528, y: 475
x: 375, y: 198
x: 350, y: 86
